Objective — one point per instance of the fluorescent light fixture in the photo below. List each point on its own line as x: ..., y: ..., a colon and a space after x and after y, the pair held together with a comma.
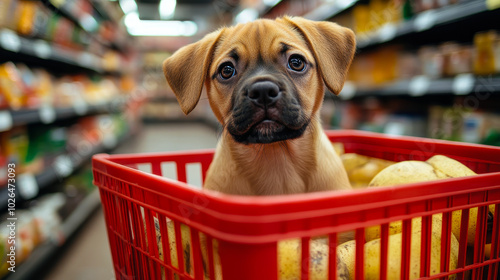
x: 128, y: 6
x: 138, y: 27
x: 247, y: 15
x: 167, y: 8
x: 271, y: 3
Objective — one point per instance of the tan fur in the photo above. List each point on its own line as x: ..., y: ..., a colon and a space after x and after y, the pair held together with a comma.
x: 304, y: 164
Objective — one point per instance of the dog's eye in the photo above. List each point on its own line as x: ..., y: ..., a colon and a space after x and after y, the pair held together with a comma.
x: 296, y: 63
x: 227, y: 70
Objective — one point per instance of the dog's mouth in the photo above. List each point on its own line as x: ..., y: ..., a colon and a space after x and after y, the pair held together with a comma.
x: 267, y: 131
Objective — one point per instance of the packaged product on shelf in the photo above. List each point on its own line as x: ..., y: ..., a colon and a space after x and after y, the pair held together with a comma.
x: 484, y: 52
x: 12, y: 86
x: 431, y: 61
x: 60, y: 30
x: 43, y: 86
x: 111, y: 61
x: 405, y: 124
x: 408, y: 66
x: 67, y: 92
x: 46, y: 217
x: 3, y: 166
x: 25, y: 238
x: 8, y: 14
x: 474, y: 127
x: 33, y: 17
x: 496, y: 52
x: 460, y: 60
x: 16, y: 142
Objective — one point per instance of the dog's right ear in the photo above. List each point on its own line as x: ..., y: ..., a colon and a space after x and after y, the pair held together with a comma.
x: 187, y: 69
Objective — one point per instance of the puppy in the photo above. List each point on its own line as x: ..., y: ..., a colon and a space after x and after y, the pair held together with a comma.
x: 265, y: 83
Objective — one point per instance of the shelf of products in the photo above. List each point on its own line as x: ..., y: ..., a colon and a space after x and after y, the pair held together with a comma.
x: 48, y: 115
x: 463, y: 84
x: 12, y: 43
x: 49, y: 248
x: 66, y: 32
x: 86, y: 16
x: 67, y: 91
x: 425, y: 20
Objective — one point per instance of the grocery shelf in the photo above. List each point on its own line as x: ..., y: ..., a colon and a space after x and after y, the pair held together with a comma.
x: 88, y: 23
x: 418, y: 86
x: 47, y: 114
x: 28, y: 186
x: 46, y: 251
x: 423, y: 21
x: 12, y: 43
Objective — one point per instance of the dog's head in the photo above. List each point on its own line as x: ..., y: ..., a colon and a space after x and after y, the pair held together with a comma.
x: 265, y: 79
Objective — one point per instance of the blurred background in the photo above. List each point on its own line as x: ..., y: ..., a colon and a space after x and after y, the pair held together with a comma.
x: 80, y: 77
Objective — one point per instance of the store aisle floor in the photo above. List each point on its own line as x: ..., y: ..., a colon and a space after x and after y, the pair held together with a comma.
x: 88, y: 256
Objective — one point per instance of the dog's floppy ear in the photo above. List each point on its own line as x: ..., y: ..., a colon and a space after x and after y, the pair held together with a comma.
x: 333, y: 48
x: 187, y: 69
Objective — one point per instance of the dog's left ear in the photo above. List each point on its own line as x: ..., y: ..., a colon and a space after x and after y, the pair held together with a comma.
x: 333, y: 48
x: 187, y: 69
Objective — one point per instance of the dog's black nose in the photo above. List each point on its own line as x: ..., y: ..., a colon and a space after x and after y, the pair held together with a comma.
x: 264, y: 93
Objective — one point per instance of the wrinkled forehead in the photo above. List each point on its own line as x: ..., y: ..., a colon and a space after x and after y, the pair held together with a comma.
x: 265, y: 39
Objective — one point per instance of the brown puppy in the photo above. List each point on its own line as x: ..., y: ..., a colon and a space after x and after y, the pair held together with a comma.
x: 265, y: 84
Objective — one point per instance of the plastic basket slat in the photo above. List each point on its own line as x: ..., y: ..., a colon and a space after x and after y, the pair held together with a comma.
x: 425, y: 249
x: 384, y: 250
x: 305, y: 259
x: 332, y: 256
x: 479, y: 242
x: 462, y: 242
x: 494, y: 269
x: 210, y: 255
x: 445, y: 242
x: 406, y: 249
x: 179, y: 251
x: 359, y: 273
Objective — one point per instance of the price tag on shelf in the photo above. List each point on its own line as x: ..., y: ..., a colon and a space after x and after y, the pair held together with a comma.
x: 27, y: 186
x: 493, y: 4
x: 463, y: 84
x: 348, y: 91
x: 419, y: 86
x: 47, y: 114
x: 387, y: 32
x: 109, y: 141
x: 63, y: 166
x: 10, y: 41
x: 425, y: 20
x: 42, y: 49
x: 81, y: 108
x: 6, y: 121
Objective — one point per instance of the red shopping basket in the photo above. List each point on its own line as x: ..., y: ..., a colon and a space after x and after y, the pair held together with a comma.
x: 145, y: 211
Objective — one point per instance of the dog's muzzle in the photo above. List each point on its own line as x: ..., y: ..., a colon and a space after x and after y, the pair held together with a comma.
x: 266, y: 111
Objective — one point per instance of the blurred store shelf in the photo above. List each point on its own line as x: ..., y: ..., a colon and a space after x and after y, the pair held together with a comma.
x: 45, y: 252
x: 423, y: 21
x: 29, y: 186
x: 48, y: 114
x: 23, y: 48
x: 418, y: 86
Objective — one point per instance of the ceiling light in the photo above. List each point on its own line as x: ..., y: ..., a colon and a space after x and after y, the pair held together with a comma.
x: 128, y: 6
x: 167, y: 8
x: 271, y: 3
x: 247, y: 15
x: 138, y: 27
